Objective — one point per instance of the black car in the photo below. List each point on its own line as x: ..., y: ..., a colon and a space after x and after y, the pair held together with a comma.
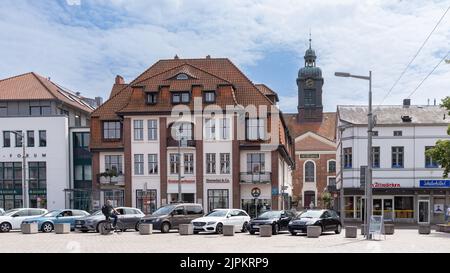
x: 279, y: 219
x: 328, y: 220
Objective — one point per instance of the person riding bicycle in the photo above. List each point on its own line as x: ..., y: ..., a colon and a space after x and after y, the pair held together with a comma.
x: 110, y: 212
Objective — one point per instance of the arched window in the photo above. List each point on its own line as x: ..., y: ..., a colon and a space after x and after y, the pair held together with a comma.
x: 310, y: 172
x: 182, y: 76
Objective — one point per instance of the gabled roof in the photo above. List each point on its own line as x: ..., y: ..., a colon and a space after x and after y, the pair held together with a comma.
x: 117, y: 87
x: 266, y: 90
x: 209, y: 72
x: 392, y: 114
x: 31, y: 86
x: 326, y: 128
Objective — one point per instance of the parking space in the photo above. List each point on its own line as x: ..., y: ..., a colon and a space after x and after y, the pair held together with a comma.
x: 404, y: 240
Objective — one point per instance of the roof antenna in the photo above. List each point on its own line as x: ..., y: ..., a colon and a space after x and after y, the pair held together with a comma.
x: 176, y: 57
x: 310, y: 38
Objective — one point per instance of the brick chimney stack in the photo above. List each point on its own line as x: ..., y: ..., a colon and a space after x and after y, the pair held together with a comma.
x: 120, y: 80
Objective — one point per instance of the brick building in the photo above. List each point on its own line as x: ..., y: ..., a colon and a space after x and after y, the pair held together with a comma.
x: 141, y: 144
x: 315, y: 138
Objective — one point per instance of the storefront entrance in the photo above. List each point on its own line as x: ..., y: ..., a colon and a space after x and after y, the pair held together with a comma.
x: 255, y: 207
x: 424, y: 212
x: 383, y: 207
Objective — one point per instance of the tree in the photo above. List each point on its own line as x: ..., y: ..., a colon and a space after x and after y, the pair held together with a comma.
x: 441, y: 152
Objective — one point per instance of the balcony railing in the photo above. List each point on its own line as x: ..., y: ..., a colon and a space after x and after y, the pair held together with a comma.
x: 256, y: 178
x: 112, y: 180
x: 184, y: 143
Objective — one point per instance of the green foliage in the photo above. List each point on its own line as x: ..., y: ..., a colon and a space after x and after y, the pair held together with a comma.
x: 441, y: 152
x: 327, y: 200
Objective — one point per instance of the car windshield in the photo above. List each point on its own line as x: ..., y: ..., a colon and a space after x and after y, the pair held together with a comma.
x: 217, y: 213
x: 10, y: 212
x: 164, y: 210
x: 53, y: 213
x: 270, y: 214
x: 311, y: 214
x: 98, y: 212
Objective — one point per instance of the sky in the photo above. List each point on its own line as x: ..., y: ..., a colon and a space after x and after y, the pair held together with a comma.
x: 83, y: 44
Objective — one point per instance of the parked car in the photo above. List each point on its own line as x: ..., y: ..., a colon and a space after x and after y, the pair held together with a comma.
x: 214, y: 221
x: 278, y: 219
x: 2, y: 211
x: 328, y: 220
x: 171, y: 216
x: 130, y: 217
x: 46, y: 222
x: 12, y: 219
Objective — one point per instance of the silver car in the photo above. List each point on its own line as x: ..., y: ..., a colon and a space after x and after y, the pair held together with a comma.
x: 129, y: 217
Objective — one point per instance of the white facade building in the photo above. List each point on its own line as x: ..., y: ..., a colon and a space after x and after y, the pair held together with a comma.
x: 407, y: 185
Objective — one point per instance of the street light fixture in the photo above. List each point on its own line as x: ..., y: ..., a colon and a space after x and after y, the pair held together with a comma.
x: 370, y: 124
x: 24, y: 181
x: 180, y: 138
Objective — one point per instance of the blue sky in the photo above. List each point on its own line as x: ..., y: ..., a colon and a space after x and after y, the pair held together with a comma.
x: 84, y: 44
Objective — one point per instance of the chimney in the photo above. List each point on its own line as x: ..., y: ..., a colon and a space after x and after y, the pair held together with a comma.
x: 406, y: 103
x: 98, y: 101
x: 434, y: 102
x: 78, y: 94
x: 120, y: 80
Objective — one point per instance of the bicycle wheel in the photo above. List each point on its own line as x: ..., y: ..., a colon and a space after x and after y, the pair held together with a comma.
x: 120, y: 227
x: 105, y: 228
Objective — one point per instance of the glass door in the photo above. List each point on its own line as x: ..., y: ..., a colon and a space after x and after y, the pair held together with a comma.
x: 388, y: 209
x: 377, y: 207
x: 424, y: 211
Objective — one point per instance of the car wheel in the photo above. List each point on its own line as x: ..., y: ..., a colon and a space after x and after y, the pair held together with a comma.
x: 219, y: 228
x: 195, y: 232
x: 275, y: 229
x: 5, y: 227
x: 136, y: 227
x: 252, y: 232
x: 244, y: 227
x: 165, y: 227
x: 47, y: 227
x: 321, y: 229
x: 97, y: 229
x: 293, y: 233
x: 338, y: 229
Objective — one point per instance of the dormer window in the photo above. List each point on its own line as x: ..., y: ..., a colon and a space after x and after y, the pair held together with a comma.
x: 209, y: 96
x: 182, y: 76
x: 152, y: 98
x: 180, y: 97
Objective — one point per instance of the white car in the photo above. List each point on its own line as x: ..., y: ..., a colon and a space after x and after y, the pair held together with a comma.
x: 12, y: 219
x: 2, y: 211
x: 216, y: 219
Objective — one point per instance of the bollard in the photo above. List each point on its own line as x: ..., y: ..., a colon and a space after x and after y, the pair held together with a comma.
x: 228, y: 230
x: 29, y: 228
x: 62, y: 228
x: 313, y: 231
x: 388, y: 229
x: 424, y: 229
x: 351, y: 232
x: 145, y: 229
x: 186, y: 229
x: 265, y: 231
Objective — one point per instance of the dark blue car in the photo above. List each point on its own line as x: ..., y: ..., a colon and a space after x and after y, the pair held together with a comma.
x: 46, y: 223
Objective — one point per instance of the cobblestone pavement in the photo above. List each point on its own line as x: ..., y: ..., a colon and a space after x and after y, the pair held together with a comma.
x: 404, y: 240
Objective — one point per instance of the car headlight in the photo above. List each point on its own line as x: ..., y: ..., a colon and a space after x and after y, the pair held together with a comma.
x: 210, y: 223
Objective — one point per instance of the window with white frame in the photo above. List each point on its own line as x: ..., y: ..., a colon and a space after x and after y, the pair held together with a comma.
x: 138, y: 164
x: 256, y: 163
x: 224, y: 128
x: 331, y: 181
x: 210, y: 163
x: 210, y: 129
x: 152, y: 125
x: 189, y: 163
x: 113, y: 163
x: 174, y: 162
x: 310, y: 172
x: 138, y: 129
x: 225, y: 163
x: 255, y: 129
x: 332, y: 166
x: 152, y: 163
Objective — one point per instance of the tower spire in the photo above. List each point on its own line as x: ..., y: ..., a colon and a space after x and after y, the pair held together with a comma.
x: 310, y: 38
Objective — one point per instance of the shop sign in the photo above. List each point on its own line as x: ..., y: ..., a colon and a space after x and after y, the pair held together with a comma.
x: 37, y: 191
x: 436, y: 183
x: 309, y: 156
x: 438, y: 208
x: 218, y: 180
x: 11, y: 191
x: 386, y: 185
x: 182, y: 181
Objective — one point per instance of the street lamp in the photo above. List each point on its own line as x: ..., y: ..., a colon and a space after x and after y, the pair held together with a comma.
x: 24, y: 183
x: 179, y: 162
x: 368, y: 187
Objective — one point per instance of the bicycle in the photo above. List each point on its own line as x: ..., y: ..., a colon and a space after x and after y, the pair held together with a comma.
x: 106, y: 227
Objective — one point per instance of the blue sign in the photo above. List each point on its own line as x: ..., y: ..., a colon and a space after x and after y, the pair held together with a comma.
x: 275, y: 191
x: 437, y: 183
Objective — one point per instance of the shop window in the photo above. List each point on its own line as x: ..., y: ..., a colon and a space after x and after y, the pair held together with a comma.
x: 404, y: 207
x: 349, y: 206
x: 218, y: 199
x: 146, y: 201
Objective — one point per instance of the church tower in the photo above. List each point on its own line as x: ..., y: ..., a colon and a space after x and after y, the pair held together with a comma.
x: 310, y: 82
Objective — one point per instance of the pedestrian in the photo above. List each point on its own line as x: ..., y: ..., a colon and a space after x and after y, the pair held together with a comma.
x: 311, y: 205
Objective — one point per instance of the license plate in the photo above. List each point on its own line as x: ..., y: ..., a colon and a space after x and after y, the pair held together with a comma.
x: 78, y: 226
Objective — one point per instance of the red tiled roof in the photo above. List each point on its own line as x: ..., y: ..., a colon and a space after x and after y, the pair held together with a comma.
x: 326, y: 128
x: 209, y: 73
x: 31, y: 86
x: 117, y: 87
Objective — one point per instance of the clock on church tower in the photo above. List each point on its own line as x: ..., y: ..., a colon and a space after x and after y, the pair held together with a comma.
x: 310, y: 82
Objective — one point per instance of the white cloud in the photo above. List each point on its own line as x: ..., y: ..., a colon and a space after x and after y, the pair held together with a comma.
x: 350, y: 35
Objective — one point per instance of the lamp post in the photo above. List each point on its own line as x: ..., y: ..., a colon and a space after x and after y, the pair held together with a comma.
x: 368, y: 187
x: 24, y: 181
x: 179, y: 163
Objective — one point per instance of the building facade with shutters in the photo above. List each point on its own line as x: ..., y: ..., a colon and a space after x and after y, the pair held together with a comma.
x: 171, y: 126
x: 407, y: 185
